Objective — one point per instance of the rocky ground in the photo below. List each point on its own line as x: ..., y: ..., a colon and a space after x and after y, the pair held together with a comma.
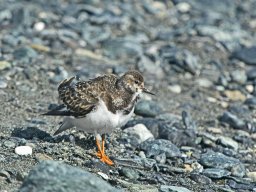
x: 198, y: 56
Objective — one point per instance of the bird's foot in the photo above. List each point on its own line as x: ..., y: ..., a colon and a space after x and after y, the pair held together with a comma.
x: 104, y: 158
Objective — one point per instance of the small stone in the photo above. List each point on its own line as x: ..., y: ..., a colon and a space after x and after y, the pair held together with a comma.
x: 24, y: 54
x: 147, y: 109
x: 159, y: 146
x: 252, y: 175
x: 238, y: 170
x: 216, y: 173
x: 40, y: 47
x: 129, y: 173
x: 42, y: 157
x: 161, y: 158
x: 23, y: 150
x: 4, y: 65
x: 138, y: 134
x: 235, y: 95
x: 249, y: 88
x: 251, y: 102
x: 175, y: 88
x: 203, y: 82
x: 103, y: 175
x: 200, y: 178
x: 169, y: 188
x: 232, y: 120
x: 239, y: 76
x: 214, y: 130
x: 3, y: 84
x: 183, y: 7
x: 228, y: 142
x: 39, y: 26
x: 9, y: 144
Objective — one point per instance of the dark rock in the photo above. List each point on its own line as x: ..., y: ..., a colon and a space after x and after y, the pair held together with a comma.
x: 56, y: 176
x: 236, y: 185
x: 129, y: 173
x: 251, y: 74
x: 200, y: 178
x: 24, y: 54
x: 232, y: 120
x: 147, y: 109
x: 179, y: 60
x: 251, y: 102
x: 247, y: 55
x: 159, y: 146
x: 216, y: 173
x: 168, y: 188
x: 217, y: 160
x: 187, y: 120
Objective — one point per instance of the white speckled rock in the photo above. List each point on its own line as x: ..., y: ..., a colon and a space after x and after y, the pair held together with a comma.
x: 138, y: 133
x: 23, y: 150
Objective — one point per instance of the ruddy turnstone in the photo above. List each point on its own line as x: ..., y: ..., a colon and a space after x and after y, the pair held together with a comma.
x: 99, y: 105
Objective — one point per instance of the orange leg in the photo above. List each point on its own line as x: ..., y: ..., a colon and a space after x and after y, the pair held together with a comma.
x: 101, y: 151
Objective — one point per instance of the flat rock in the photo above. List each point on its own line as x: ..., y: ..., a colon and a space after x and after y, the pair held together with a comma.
x: 247, y: 55
x: 159, y: 146
x: 166, y: 188
x: 217, y: 160
x: 57, y: 176
x: 147, y: 108
x: 216, y: 173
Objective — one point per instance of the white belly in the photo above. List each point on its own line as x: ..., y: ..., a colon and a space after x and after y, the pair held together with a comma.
x: 101, y: 120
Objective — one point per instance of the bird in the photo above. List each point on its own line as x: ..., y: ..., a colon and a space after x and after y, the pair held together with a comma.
x: 99, y: 105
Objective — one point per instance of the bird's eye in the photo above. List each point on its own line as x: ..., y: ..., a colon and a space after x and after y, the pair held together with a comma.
x: 136, y: 82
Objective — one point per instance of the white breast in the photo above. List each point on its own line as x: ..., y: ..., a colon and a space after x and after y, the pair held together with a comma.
x: 101, y: 120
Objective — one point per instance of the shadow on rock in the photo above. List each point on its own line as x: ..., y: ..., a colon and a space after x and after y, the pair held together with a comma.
x: 30, y: 133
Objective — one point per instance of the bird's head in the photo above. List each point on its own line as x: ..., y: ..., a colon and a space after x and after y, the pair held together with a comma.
x: 133, y: 82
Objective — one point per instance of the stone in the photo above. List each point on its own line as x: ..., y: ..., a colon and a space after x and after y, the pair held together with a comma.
x: 200, y: 178
x: 228, y: 142
x: 9, y: 144
x: 175, y: 88
x: 23, y: 150
x: 251, y: 102
x: 239, y: 76
x: 246, y: 54
x: 159, y: 146
x: 251, y: 74
x: 252, y: 175
x: 238, y: 170
x: 3, y: 84
x: 138, y: 134
x: 24, y: 54
x: 235, y: 95
x: 232, y: 120
x: 57, y: 176
x: 169, y: 188
x: 4, y: 65
x: 217, y: 160
x: 216, y: 173
x: 203, y: 82
x: 147, y: 108
x: 129, y: 173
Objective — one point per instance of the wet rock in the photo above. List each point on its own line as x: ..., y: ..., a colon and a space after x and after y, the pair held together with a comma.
x: 23, y: 150
x: 232, y: 120
x: 159, y: 146
x: 138, y: 134
x: 246, y: 55
x: 228, y: 142
x: 129, y: 173
x: 167, y: 188
x: 147, y: 108
x: 216, y: 173
x: 179, y: 60
x: 56, y: 176
x: 217, y: 160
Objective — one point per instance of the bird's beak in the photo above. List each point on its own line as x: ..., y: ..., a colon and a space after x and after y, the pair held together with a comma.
x: 145, y: 90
